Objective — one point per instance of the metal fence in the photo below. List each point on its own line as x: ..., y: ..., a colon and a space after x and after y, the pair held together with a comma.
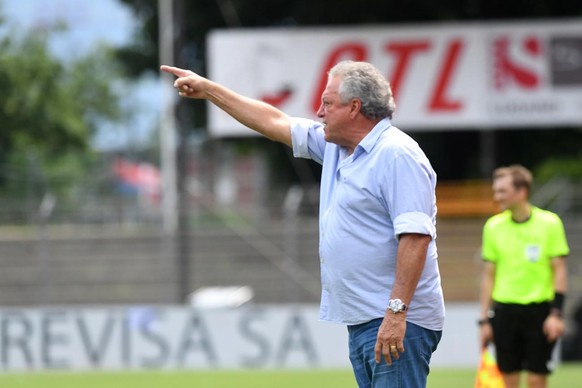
x: 106, y: 245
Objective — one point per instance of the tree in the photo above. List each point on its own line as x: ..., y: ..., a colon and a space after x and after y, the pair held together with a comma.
x: 50, y: 108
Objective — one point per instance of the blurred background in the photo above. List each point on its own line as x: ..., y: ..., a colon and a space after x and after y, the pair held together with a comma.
x: 114, y: 192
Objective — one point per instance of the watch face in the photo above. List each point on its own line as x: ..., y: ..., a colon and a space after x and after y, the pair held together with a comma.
x: 396, y: 305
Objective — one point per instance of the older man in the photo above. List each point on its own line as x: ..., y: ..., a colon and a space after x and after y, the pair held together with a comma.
x: 378, y: 254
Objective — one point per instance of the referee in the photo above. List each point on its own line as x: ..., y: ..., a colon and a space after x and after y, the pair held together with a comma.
x: 524, y: 280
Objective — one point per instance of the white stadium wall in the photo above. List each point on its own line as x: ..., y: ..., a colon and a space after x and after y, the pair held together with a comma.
x: 176, y: 337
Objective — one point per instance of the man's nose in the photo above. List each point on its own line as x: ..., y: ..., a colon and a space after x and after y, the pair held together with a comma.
x: 320, y: 111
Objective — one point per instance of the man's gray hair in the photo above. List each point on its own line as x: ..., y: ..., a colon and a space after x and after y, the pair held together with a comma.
x: 363, y: 81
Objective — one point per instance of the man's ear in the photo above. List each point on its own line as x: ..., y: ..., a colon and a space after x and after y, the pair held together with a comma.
x: 355, y: 107
x: 523, y: 193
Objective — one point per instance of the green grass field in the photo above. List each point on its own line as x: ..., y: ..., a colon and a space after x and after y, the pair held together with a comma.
x: 567, y: 376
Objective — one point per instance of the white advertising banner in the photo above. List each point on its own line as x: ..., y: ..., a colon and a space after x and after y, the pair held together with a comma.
x: 444, y: 76
x: 133, y: 337
x: 178, y: 337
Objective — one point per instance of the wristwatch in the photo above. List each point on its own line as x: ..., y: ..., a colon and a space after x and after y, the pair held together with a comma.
x: 397, y: 306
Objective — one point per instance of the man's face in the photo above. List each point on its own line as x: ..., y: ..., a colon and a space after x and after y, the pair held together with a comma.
x: 334, y: 114
x: 505, y: 193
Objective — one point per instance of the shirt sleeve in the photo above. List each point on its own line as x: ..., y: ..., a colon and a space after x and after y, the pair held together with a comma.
x: 414, y: 222
x: 308, y: 139
x: 488, y: 248
x: 410, y: 184
x: 558, y: 244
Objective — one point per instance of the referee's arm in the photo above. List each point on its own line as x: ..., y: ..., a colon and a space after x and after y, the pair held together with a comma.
x: 554, y: 323
x: 560, y: 275
x: 487, y: 280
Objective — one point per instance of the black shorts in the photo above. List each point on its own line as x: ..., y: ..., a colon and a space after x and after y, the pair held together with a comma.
x: 520, y: 343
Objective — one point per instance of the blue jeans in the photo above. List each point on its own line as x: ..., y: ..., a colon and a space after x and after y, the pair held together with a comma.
x: 410, y: 371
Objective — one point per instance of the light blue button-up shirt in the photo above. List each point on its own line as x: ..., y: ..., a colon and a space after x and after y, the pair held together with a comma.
x: 385, y: 188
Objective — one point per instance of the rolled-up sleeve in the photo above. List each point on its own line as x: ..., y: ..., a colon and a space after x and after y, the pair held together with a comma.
x: 409, y: 185
x: 308, y: 139
x: 414, y: 222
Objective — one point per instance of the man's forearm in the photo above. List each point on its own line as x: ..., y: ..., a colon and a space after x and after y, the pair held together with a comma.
x: 560, y: 275
x: 255, y: 114
x: 411, y: 258
x: 487, y: 279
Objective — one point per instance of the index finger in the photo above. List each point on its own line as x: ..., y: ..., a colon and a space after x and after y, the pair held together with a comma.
x: 175, y: 71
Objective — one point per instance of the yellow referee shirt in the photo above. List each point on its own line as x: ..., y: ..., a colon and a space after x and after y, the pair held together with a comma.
x: 522, y: 254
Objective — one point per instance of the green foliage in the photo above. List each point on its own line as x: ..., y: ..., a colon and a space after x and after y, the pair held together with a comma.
x: 566, y: 167
x: 50, y: 108
x: 50, y: 105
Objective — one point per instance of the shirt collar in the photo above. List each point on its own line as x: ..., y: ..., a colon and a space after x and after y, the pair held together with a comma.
x: 370, y: 140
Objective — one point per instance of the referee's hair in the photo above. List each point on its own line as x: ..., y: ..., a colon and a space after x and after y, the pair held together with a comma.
x: 520, y: 176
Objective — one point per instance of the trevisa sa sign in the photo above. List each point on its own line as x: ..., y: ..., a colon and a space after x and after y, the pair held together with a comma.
x: 444, y: 76
x: 180, y: 337
x: 169, y: 337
